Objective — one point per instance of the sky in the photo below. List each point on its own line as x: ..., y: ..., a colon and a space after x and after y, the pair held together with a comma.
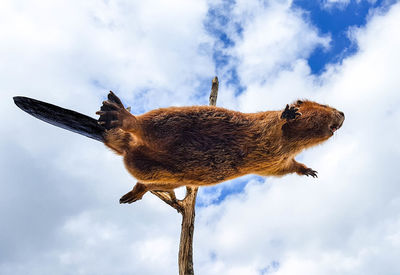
x: 59, y: 209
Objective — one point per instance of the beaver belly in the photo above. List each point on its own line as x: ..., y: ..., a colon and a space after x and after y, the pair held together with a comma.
x: 184, y: 165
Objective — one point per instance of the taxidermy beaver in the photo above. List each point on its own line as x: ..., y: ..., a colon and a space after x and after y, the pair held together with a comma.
x: 201, y: 145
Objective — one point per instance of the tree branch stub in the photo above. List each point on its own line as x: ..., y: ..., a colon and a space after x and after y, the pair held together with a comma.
x: 170, y: 199
x: 214, y: 92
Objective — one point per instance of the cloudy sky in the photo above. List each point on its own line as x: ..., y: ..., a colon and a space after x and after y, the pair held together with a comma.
x: 59, y: 208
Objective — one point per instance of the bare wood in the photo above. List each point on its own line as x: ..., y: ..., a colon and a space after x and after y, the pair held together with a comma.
x: 214, y: 92
x: 170, y: 199
x: 188, y: 214
x: 187, y: 208
x: 187, y: 229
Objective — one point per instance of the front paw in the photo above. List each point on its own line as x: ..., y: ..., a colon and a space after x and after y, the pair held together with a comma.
x: 290, y: 113
x: 310, y: 172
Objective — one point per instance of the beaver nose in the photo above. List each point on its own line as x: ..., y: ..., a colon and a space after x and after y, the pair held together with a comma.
x: 341, y: 118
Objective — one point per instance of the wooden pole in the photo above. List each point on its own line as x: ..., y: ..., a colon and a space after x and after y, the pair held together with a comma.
x: 187, y: 208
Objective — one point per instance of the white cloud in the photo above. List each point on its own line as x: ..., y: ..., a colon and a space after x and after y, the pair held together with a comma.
x: 340, y: 4
x: 130, y: 46
x: 345, y: 222
x: 269, y: 37
x: 270, y: 51
x: 274, y: 38
x: 60, y: 211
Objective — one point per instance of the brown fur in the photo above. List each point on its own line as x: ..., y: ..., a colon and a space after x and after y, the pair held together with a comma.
x: 204, y: 145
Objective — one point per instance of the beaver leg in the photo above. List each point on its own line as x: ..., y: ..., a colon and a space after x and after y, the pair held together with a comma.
x: 141, y: 188
x: 121, y: 126
x: 296, y: 167
x: 301, y: 169
x: 136, y: 194
x: 114, y: 115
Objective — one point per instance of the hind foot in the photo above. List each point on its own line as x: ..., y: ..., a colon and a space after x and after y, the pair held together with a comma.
x: 136, y: 194
x: 114, y: 115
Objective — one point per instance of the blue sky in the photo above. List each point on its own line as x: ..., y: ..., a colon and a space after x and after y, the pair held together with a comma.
x: 334, y: 20
x: 59, y: 210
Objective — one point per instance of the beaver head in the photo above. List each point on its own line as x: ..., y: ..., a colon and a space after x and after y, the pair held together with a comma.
x: 316, y: 123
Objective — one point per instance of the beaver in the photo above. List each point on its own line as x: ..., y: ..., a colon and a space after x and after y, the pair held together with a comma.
x: 205, y: 145
x: 200, y: 145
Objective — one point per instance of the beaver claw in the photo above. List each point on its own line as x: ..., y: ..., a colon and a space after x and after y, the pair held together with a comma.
x: 112, y: 113
x: 130, y: 197
x: 290, y: 113
x: 136, y: 194
x: 310, y: 172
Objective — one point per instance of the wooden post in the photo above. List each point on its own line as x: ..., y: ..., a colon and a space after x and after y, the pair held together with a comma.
x: 187, y: 208
x: 185, y: 257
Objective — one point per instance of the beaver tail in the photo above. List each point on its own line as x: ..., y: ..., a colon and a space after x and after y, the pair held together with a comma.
x: 64, y: 118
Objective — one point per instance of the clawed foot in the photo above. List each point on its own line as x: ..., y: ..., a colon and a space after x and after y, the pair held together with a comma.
x: 310, y: 172
x: 129, y: 198
x: 290, y: 113
x: 136, y: 194
x: 112, y: 113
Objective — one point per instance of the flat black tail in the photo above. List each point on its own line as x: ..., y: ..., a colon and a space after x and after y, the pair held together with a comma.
x: 64, y: 118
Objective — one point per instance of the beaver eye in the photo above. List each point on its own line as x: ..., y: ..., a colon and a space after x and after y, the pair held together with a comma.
x: 299, y: 102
